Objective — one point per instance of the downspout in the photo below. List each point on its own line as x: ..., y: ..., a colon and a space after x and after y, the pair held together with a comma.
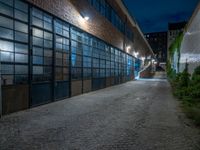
x: 1, y: 105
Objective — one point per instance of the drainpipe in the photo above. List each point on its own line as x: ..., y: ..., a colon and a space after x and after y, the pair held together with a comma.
x: 124, y: 43
x: 1, y: 108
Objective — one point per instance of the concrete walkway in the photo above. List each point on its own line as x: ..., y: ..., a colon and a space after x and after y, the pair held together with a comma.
x: 138, y: 115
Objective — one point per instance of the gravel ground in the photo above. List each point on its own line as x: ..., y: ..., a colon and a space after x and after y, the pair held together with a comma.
x: 138, y: 115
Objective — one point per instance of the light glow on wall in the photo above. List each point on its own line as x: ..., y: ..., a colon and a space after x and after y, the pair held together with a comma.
x: 135, y: 54
x: 86, y: 18
x: 142, y: 58
x: 190, y: 58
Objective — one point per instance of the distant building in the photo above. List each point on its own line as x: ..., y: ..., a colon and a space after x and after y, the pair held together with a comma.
x: 158, y: 42
x: 173, y: 30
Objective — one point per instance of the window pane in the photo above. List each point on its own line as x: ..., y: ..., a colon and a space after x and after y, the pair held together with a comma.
x: 22, y: 37
x: 65, y: 41
x: 47, y: 36
x: 6, y: 33
x: 59, y: 47
x: 65, y: 59
x: 59, y: 73
x: 59, y: 39
x: 47, y: 70
x: 4, y: 9
x: 48, y: 26
x: 48, y: 44
x: 21, y: 69
x: 37, y: 33
x: 65, y: 33
x: 47, y: 61
x: 58, y: 30
x: 37, y: 22
x: 48, y: 53
x: 7, y: 69
x: 7, y: 79
x: 21, y: 6
x: 21, y: 79
x: 37, y: 60
x: 37, y: 70
x: 87, y: 73
x: 38, y: 41
x: 21, y: 16
x: 21, y: 48
x: 37, y: 13
x: 21, y: 27
x: 21, y: 58
x: 37, y: 51
x: 6, y: 22
x: 7, y: 57
x: 6, y: 46
x: 76, y: 73
x: 8, y: 2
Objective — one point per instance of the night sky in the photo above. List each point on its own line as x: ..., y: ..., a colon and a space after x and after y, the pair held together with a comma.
x: 154, y: 15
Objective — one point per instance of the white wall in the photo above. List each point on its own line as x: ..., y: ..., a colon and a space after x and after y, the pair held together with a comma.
x: 190, y: 47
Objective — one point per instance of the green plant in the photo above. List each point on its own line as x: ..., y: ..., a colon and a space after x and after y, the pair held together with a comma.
x: 175, y: 47
x: 195, y: 84
x: 187, y: 90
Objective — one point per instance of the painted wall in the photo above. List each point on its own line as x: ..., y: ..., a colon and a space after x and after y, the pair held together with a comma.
x: 190, y: 47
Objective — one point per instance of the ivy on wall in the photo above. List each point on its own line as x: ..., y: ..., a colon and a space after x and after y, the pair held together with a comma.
x: 175, y: 47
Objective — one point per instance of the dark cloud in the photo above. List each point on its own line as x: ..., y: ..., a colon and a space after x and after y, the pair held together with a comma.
x: 154, y: 15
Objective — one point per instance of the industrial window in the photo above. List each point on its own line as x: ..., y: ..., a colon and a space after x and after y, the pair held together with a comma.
x: 87, y: 73
x: 76, y: 54
x: 76, y: 73
x: 107, y: 11
x: 6, y: 33
x: 90, y: 57
x: 95, y: 63
x: 6, y: 8
x: 14, y: 53
x: 96, y: 72
x: 87, y: 62
x: 62, y: 50
x: 42, y: 42
x: 41, y: 19
x: 87, y: 50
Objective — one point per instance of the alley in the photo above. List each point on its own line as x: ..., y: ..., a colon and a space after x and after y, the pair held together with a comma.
x: 137, y: 115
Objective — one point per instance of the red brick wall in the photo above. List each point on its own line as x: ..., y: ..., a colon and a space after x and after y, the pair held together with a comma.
x: 71, y: 10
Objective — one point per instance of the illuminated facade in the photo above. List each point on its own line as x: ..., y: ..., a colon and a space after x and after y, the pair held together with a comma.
x: 51, y: 50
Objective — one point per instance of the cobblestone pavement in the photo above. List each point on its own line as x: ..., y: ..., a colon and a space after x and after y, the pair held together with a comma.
x: 138, y: 115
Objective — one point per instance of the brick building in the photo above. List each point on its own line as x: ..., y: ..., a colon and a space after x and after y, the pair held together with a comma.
x: 173, y: 31
x: 55, y: 49
x: 158, y: 42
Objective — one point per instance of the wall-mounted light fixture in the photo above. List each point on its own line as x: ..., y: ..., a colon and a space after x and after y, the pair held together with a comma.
x: 85, y: 17
x: 142, y: 58
x: 135, y: 54
x: 128, y: 47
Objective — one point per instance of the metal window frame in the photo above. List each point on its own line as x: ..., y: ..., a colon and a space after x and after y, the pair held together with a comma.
x: 30, y: 7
